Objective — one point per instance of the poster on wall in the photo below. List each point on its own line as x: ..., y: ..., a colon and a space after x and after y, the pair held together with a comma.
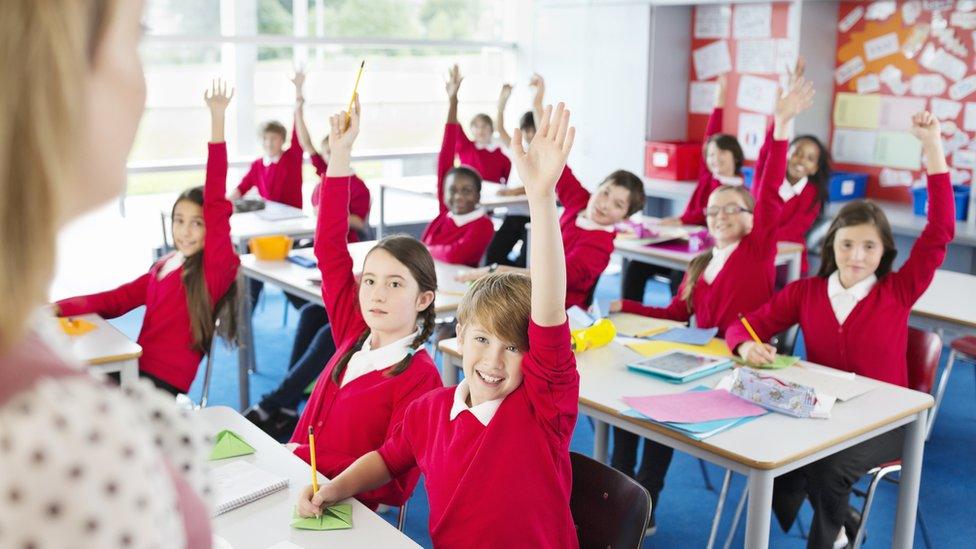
x: 712, y: 60
x: 752, y: 131
x: 712, y: 21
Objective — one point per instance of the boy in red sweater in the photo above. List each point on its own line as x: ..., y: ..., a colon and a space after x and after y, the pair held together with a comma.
x: 517, y: 404
x: 184, y: 290
x: 483, y: 154
x: 854, y: 317
x: 278, y: 174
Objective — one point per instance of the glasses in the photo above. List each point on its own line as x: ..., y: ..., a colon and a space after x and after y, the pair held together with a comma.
x: 729, y: 209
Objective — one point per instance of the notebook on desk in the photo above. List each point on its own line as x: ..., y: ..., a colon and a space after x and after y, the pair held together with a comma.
x: 239, y: 483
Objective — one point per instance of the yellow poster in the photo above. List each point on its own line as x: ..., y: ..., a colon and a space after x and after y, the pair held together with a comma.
x: 857, y: 111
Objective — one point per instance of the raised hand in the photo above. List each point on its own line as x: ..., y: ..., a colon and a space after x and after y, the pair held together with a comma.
x: 723, y: 83
x: 798, y: 70
x: 926, y: 127
x: 538, y: 83
x: 453, y: 83
x: 299, y: 81
x: 341, y: 139
x: 541, y: 165
x: 503, y: 95
x: 217, y: 97
x: 797, y: 99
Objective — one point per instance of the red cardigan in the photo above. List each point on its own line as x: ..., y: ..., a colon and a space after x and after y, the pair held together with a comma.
x: 587, y: 251
x: 492, y: 165
x: 694, y: 211
x: 447, y: 242
x: 166, y: 339
x: 506, y: 484
x: 354, y: 420
x: 747, y: 280
x: 280, y: 181
x: 359, y: 199
x: 873, y: 340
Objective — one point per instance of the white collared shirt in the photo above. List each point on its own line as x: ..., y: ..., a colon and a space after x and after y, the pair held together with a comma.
x: 463, y: 219
x: 490, y: 147
x: 269, y: 160
x: 171, y: 265
x: 368, y: 360
x: 788, y: 191
x: 719, y: 257
x: 732, y: 181
x: 843, y: 300
x: 483, y: 412
x: 588, y: 224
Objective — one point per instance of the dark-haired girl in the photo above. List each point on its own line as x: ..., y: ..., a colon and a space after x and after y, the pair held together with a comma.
x: 854, y: 317
x: 185, y: 290
x: 379, y: 325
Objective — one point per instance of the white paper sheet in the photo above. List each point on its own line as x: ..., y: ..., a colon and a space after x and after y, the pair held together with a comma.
x: 851, y: 19
x: 966, y: 5
x: 712, y: 60
x: 927, y: 85
x: 963, y: 88
x: 963, y: 20
x: 937, y: 5
x: 949, y: 127
x: 895, y: 178
x: 752, y: 20
x: 755, y: 56
x: 849, y: 69
x: 854, y: 146
x: 954, y: 142
x: 756, y: 94
x: 964, y: 159
x: 945, y: 109
x: 896, y: 112
x: 941, y: 61
x: 882, y: 46
x: 752, y: 131
x: 785, y: 55
x: 969, y: 117
x: 712, y: 21
x: 881, y: 10
x: 701, y: 97
x: 910, y: 11
x: 959, y: 177
x: 869, y: 83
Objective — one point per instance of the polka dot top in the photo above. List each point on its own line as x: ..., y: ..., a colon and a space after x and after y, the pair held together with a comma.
x: 85, y: 465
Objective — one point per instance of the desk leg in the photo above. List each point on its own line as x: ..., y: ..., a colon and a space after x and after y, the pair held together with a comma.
x: 911, y: 475
x: 381, y: 228
x: 760, y: 508
x: 449, y: 370
x: 128, y: 373
x: 245, y: 349
x: 601, y: 436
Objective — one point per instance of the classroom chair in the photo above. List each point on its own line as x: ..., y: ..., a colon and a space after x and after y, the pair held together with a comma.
x: 609, y: 508
x: 963, y: 348
x: 924, y: 350
x: 208, y: 369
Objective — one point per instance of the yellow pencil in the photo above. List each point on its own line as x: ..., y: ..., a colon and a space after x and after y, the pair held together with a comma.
x: 311, y: 447
x: 750, y: 330
x: 355, y: 88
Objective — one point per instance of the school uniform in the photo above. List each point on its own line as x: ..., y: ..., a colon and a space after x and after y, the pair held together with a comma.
x: 278, y: 179
x: 498, y: 474
x: 488, y: 160
x: 739, y: 278
x: 168, y: 354
x: 862, y: 329
x: 354, y: 416
x: 456, y: 239
x: 587, y: 244
x: 359, y: 198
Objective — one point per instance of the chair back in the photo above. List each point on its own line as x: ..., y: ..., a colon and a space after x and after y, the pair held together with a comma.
x: 924, y: 351
x: 610, y: 509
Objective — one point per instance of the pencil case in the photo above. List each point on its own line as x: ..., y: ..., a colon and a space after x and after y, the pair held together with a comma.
x: 773, y: 394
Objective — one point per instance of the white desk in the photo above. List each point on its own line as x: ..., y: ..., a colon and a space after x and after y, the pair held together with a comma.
x: 298, y: 281
x: 763, y: 449
x: 426, y: 185
x: 949, y: 304
x: 789, y: 254
x: 247, y: 225
x: 105, y: 349
x: 266, y: 521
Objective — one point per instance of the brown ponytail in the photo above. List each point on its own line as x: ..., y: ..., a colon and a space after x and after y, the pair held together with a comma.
x: 695, y: 270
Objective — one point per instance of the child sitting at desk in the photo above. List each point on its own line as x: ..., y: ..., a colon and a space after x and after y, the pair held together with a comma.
x: 854, y: 317
x: 481, y: 153
x: 495, y: 449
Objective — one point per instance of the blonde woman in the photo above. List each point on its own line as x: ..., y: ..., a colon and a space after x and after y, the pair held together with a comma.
x: 81, y: 464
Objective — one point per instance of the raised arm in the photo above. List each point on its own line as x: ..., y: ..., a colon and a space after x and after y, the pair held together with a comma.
x: 539, y: 84
x: 795, y: 75
x: 929, y: 250
x: 445, y: 161
x: 296, y: 146
x: 220, y: 262
x: 570, y: 191
x: 451, y: 86
x: 503, y: 96
x: 304, y: 138
x: 694, y: 211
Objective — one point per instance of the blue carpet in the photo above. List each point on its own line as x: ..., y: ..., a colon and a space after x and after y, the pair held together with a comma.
x: 947, y: 493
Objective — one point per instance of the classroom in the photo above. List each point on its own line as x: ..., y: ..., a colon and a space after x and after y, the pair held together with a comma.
x: 290, y: 274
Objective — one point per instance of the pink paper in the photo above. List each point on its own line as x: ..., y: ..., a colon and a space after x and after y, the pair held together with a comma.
x: 694, y: 406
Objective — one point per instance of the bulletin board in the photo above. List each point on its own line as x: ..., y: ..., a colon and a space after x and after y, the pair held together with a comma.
x: 754, y: 45
x: 895, y: 58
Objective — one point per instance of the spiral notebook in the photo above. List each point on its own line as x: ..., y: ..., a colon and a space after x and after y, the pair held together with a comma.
x: 239, y: 483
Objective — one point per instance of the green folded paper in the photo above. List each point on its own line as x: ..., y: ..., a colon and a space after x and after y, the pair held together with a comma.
x: 336, y: 517
x: 230, y: 444
x: 782, y: 361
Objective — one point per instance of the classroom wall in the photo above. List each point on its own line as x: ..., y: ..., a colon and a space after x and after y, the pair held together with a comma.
x: 595, y: 58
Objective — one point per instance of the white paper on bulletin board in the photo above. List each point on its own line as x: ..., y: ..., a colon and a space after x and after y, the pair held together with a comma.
x: 752, y: 21
x: 755, y: 56
x: 896, y: 112
x: 945, y: 109
x: 712, y: 60
x: 701, y: 97
x: 752, y: 131
x: 898, y: 150
x: 756, y: 94
x: 854, y: 146
x: 712, y: 21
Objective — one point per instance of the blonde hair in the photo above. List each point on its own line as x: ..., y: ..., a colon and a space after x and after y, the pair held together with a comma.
x: 501, y: 303
x: 46, y: 50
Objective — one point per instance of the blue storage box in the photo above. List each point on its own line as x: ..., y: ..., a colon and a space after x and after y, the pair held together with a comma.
x: 847, y: 186
x: 748, y: 173
x: 961, y: 193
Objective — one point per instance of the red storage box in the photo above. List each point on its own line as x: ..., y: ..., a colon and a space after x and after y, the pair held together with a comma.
x: 677, y: 160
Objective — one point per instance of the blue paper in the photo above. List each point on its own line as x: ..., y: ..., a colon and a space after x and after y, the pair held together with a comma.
x: 697, y: 431
x: 688, y: 336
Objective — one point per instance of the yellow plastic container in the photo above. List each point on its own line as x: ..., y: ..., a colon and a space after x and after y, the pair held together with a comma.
x: 599, y: 334
x: 270, y: 248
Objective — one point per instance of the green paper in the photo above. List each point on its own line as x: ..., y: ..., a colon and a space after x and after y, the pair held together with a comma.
x: 782, y: 361
x: 311, y: 386
x: 336, y: 517
x: 230, y: 444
